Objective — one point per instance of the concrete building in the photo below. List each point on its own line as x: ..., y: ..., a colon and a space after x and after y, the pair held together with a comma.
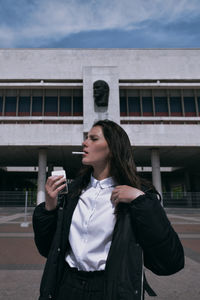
x: 47, y: 105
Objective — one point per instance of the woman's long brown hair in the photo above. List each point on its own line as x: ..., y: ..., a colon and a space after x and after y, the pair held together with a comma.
x: 122, y: 165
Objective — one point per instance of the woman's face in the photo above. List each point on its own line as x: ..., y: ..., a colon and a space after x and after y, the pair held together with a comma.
x: 96, y: 149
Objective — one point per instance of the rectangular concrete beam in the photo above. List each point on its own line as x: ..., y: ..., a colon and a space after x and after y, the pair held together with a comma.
x: 157, y: 135
x: 132, y: 64
x: 40, y: 134
x: 72, y: 134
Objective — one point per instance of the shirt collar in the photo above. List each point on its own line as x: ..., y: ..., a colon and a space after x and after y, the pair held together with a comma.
x: 105, y: 183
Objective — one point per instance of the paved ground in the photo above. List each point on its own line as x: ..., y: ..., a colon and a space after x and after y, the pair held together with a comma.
x: 21, y: 266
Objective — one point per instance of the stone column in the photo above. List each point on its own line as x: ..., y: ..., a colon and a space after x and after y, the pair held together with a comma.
x: 42, y: 163
x: 156, y: 175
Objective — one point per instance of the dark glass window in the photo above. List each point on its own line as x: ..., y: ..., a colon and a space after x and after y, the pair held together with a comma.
x: 77, y: 106
x: 24, y: 106
x: 10, y: 106
x: 175, y: 106
x: 37, y: 106
x: 123, y: 106
x: 189, y: 105
x: 1, y: 105
x: 147, y: 106
x: 51, y: 106
x: 161, y: 107
x: 198, y: 101
x: 66, y: 106
x: 134, y: 106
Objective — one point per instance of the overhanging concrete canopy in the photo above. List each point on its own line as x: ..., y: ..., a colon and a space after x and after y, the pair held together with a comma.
x: 186, y: 157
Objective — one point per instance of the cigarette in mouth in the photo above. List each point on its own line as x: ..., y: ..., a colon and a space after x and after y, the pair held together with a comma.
x: 79, y: 153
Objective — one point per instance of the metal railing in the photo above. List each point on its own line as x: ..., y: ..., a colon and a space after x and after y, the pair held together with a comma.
x: 19, y: 198
x: 182, y: 199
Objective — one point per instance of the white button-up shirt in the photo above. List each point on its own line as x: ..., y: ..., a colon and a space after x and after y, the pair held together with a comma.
x: 92, y: 226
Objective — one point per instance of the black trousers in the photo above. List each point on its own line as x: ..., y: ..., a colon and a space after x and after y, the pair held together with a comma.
x: 81, y: 285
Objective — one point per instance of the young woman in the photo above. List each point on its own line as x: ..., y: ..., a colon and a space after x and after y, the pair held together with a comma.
x: 98, y: 238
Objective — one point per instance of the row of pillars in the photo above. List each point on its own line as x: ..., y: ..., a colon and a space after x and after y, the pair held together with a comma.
x: 42, y: 164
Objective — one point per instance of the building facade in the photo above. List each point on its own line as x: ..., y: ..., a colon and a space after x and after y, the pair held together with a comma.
x: 47, y: 107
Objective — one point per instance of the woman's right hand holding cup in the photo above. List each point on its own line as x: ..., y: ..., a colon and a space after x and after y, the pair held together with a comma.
x: 54, y: 185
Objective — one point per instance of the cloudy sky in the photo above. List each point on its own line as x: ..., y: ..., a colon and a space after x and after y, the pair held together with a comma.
x: 100, y: 23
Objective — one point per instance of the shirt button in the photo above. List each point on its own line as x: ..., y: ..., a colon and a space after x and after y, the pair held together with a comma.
x: 58, y: 249
x: 50, y: 297
x: 136, y: 292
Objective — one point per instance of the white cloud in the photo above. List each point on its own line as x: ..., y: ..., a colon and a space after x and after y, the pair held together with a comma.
x: 44, y: 20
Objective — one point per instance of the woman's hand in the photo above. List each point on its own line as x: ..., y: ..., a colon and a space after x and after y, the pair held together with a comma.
x: 53, y: 186
x: 124, y: 193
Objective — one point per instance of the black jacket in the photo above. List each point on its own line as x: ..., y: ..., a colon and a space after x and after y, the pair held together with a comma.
x: 142, y: 235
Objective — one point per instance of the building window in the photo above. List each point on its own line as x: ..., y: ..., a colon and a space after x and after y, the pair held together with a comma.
x: 51, y: 106
x: 10, y: 106
x: 37, y: 106
x: 78, y: 106
x: 42, y: 102
x: 189, y: 103
x: 147, y: 105
x: 37, y: 102
x: 133, y: 102
x: 160, y: 101
x: 51, y: 103
x: 65, y: 106
x: 161, y: 107
x: 130, y: 103
x: 1, y: 105
x: 24, y: 102
x: 10, y: 102
x: 136, y: 102
x: 71, y: 102
x: 123, y: 103
x: 175, y: 102
x: 77, y: 103
x: 198, y: 103
x: 175, y: 106
x: 134, y: 106
x: 24, y: 106
x: 123, y: 106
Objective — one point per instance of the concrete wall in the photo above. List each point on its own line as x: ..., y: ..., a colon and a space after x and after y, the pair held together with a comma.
x: 70, y: 63
x: 164, y: 135
x: 69, y: 134
x: 40, y: 134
